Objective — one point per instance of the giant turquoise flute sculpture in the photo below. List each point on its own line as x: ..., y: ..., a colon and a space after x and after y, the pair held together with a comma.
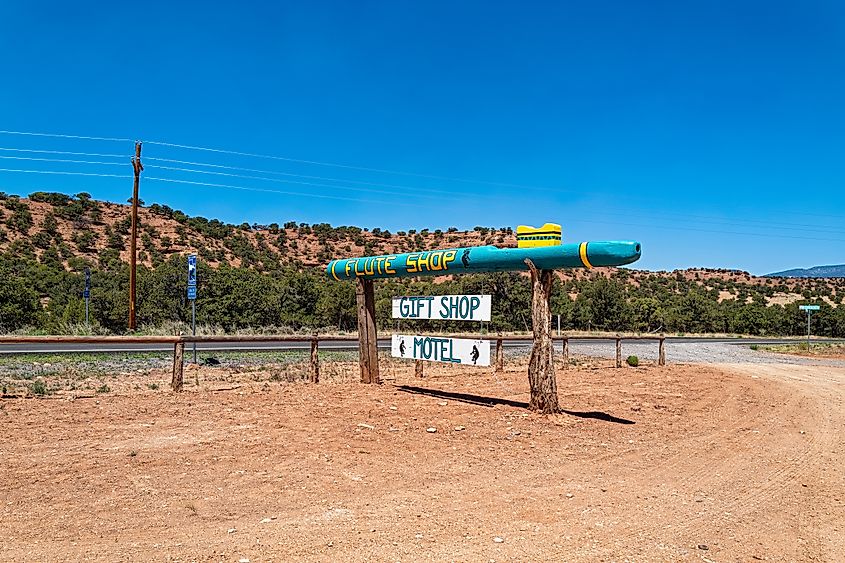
x: 485, y: 259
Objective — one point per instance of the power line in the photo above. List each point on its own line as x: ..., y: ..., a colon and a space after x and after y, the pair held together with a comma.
x: 289, y: 174
x: 384, y: 171
x: 785, y: 226
x: 42, y: 151
x: 303, y: 161
x: 267, y: 190
x: 59, y: 136
x: 31, y: 158
x: 350, y: 167
x: 700, y: 218
x: 337, y: 165
x: 324, y: 196
x: 707, y: 218
x: 310, y: 162
x: 278, y: 180
x: 580, y: 220
x: 64, y: 173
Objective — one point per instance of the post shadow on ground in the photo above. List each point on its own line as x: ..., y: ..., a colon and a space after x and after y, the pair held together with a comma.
x: 483, y: 401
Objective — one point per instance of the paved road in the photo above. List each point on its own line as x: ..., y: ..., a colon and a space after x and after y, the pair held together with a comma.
x: 577, y: 345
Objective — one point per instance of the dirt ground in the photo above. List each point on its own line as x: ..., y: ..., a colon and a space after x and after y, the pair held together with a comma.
x: 685, y: 462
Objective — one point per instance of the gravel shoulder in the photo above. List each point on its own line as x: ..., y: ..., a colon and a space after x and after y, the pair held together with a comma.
x: 699, y: 353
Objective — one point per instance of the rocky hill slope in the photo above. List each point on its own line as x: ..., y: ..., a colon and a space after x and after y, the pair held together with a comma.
x: 77, y: 231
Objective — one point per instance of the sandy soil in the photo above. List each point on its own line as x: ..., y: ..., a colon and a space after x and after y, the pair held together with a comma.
x: 730, y: 463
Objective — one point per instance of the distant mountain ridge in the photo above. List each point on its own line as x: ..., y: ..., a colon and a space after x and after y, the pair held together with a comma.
x: 834, y: 271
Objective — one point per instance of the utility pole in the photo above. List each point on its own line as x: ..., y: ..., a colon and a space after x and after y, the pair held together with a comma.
x: 133, y: 253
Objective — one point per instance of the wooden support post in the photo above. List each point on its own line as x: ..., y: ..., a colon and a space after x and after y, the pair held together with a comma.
x: 178, y: 366
x: 418, y: 369
x: 661, y: 355
x: 137, y: 168
x: 618, y: 351
x: 541, y: 367
x: 367, y: 335
x: 500, y: 356
x: 315, y: 360
x: 566, y: 352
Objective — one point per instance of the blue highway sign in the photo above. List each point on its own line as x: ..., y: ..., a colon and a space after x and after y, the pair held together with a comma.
x: 192, y: 276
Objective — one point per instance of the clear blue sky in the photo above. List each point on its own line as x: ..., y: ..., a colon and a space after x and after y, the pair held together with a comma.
x: 713, y: 132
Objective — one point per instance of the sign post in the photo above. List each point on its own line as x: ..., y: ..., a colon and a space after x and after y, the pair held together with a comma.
x: 809, y: 309
x: 86, y: 293
x: 539, y: 250
x: 442, y: 348
x: 192, y: 296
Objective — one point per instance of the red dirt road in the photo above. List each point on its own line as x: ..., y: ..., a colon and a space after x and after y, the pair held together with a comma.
x: 739, y: 463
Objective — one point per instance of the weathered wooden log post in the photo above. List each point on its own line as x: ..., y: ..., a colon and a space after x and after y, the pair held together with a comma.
x: 500, y: 356
x: 178, y: 366
x: 367, y: 334
x: 565, y: 352
x: 619, y: 350
x: 418, y: 369
x: 661, y: 355
x: 541, y: 367
x: 315, y: 360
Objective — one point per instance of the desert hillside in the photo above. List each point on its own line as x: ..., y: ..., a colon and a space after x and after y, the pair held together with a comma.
x: 82, y: 231
x: 270, y: 276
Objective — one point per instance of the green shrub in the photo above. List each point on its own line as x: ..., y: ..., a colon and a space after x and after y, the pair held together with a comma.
x: 115, y: 240
x: 42, y: 239
x: 49, y: 224
x: 38, y: 387
x: 20, y: 220
x: 52, y: 198
x: 633, y: 361
x: 84, y: 240
x: 754, y: 347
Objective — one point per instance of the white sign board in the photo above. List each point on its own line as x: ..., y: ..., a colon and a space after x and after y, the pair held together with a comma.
x: 809, y: 307
x: 444, y: 307
x: 441, y: 349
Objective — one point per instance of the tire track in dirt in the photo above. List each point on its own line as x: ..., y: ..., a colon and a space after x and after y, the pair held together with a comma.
x: 705, y: 444
x: 634, y: 518
x: 727, y: 473
x: 821, y: 388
